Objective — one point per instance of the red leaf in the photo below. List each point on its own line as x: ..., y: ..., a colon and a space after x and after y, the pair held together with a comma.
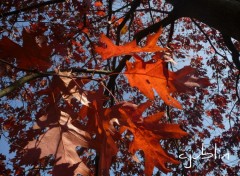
x: 33, y: 53
x: 99, y: 123
x: 147, y: 135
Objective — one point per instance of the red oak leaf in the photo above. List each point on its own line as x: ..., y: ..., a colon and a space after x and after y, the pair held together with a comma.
x: 129, y: 48
x: 34, y: 53
x: 149, y: 76
x: 72, y: 88
x: 101, y: 125
x: 60, y: 140
x: 98, y: 4
x: 147, y: 134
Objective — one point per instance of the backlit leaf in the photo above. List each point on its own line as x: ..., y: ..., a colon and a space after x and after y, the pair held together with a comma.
x: 60, y: 140
x: 129, y: 48
x: 153, y: 75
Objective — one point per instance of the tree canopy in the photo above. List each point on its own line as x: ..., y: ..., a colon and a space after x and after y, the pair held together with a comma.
x: 130, y: 87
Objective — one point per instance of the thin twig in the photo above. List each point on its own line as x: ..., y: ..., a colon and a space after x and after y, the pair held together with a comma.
x: 29, y: 8
x: 210, y: 42
x: 153, y: 10
x: 150, y: 11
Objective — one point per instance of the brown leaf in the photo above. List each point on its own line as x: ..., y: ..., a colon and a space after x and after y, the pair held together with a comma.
x: 50, y: 117
x: 129, y: 48
x: 72, y: 88
x: 185, y: 81
x: 61, y: 141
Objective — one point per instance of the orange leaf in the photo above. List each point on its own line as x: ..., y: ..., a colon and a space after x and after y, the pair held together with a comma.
x: 153, y: 152
x: 98, y: 4
x: 124, y: 29
x: 129, y: 48
x: 100, y: 13
x: 149, y: 76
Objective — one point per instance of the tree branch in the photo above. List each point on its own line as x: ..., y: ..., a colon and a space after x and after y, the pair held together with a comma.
x: 35, y: 75
x: 155, y: 27
x: 236, y: 87
x: 18, y: 83
x: 111, y: 83
x: 151, y: 15
x: 134, y: 5
x: 113, y: 77
x: 231, y: 47
x: 153, y: 10
x: 170, y: 33
x: 210, y: 42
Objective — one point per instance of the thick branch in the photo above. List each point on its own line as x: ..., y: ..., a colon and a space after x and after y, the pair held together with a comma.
x: 154, y: 28
x: 119, y: 69
x: 19, y: 83
x: 235, y: 52
x: 35, y: 6
x: 111, y: 83
x: 223, y: 15
x: 35, y: 75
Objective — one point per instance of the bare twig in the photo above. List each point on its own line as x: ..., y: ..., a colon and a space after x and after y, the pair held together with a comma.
x: 153, y: 10
x: 236, y: 87
x: 155, y: 27
x: 210, y: 42
x: 150, y: 11
x: 29, y: 8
